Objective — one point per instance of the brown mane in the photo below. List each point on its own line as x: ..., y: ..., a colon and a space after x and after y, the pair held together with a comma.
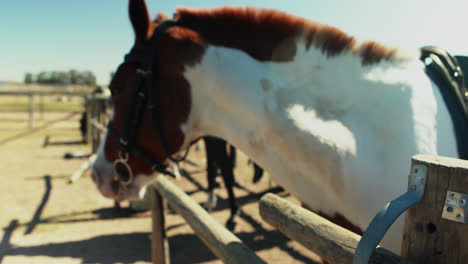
x: 270, y: 35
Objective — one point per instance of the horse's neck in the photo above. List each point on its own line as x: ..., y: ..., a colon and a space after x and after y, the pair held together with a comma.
x: 324, y: 128
x: 309, y: 101
x: 307, y: 116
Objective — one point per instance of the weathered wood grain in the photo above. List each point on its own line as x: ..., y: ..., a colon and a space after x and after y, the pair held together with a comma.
x: 428, y: 238
x: 333, y: 243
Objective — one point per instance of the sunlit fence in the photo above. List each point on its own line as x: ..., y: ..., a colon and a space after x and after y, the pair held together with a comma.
x: 34, y: 104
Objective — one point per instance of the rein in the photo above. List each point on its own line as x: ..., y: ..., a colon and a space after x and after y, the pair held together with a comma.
x: 142, y: 96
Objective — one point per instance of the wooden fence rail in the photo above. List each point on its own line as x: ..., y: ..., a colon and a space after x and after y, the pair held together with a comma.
x: 82, y: 169
x: 333, y: 243
x: 33, y: 94
x: 45, y: 92
x: 221, y: 241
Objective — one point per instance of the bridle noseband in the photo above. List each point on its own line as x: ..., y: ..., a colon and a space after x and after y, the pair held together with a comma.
x: 142, y: 96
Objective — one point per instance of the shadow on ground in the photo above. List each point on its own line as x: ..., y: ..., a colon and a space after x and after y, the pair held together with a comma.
x: 130, y: 248
x: 107, y: 249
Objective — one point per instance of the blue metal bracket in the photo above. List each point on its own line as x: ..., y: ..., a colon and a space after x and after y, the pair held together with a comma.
x: 385, y: 218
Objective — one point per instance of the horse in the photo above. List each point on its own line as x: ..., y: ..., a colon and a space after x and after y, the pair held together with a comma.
x: 333, y: 119
x: 217, y: 157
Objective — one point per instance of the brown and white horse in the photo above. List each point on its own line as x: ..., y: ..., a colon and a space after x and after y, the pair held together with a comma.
x: 333, y: 120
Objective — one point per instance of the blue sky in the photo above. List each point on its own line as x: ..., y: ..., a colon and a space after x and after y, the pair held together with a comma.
x: 94, y: 35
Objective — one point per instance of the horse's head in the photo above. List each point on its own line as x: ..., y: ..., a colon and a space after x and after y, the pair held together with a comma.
x: 151, y: 104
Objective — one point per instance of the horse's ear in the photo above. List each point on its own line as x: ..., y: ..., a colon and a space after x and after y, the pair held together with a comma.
x: 140, y: 19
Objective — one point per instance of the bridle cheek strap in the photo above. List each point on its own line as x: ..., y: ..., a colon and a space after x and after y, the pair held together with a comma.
x: 139, y: 153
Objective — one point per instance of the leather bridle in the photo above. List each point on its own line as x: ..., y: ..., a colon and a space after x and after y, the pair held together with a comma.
x: 141, y: 96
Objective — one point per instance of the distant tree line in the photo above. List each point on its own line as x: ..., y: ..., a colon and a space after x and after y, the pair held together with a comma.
x: 62, y: 77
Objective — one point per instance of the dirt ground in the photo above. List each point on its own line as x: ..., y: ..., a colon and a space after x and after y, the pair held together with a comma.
x: 45, y: 219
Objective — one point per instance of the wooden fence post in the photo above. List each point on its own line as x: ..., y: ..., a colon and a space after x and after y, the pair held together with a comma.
x: 159, y: 243
x: 31, y: 110
x: 97, y: 115
x: 95, y: 132
x: 41, y: 107
x: 429, y: 238
x: 89, y: 117
x: 102, y: 117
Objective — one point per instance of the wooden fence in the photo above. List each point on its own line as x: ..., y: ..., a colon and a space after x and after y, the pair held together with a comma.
x: 333, y: 243
x: 219, y: 240
x: 435, y: 228
x: 97, y: 116
x: 32, y: 95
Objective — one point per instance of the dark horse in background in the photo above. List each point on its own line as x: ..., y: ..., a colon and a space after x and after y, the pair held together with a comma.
x: 218, y: 158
